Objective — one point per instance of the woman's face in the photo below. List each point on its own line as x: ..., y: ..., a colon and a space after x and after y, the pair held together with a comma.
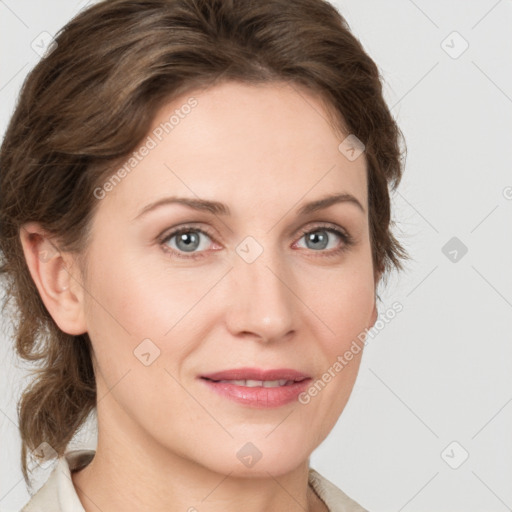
x: 242, y: 288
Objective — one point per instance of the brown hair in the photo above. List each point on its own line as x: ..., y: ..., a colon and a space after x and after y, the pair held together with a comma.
x: 89, y: 103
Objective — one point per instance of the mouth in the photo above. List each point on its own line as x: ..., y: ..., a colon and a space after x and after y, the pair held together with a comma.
x: 257, y: 374
x: 249, y: 383
x: 258, y: 388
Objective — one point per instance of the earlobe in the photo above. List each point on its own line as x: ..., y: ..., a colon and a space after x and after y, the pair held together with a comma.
x: 60, y: 289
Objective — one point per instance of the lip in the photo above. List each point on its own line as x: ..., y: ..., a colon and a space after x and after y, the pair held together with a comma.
x: 258, y: 397
x: 257, y: 374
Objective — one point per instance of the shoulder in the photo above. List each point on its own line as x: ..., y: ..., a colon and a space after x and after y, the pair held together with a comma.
x: 58, y: 493
x: 335, y: 499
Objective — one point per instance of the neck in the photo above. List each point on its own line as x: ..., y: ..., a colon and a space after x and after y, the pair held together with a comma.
x: 132, y: 473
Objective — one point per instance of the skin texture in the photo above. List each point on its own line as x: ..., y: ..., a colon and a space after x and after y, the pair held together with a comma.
x: 165, y: 440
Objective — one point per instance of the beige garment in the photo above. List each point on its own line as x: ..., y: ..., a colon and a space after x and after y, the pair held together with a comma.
x: 58, y: 493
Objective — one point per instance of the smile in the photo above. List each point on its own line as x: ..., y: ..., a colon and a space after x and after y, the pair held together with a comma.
x: 259, y: 383
x: 257, y: 388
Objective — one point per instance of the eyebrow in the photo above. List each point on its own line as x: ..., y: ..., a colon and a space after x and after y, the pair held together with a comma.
x: 218, y: 208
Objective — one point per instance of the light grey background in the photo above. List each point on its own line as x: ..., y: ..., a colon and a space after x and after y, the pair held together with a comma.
x: 440, y: 371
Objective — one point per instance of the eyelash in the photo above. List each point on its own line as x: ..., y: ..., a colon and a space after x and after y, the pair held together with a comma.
x: 347, y: 240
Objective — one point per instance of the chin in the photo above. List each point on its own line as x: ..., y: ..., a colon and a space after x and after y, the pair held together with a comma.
x: 257, y: 458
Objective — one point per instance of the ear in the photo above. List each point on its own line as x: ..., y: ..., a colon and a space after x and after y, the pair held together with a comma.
x: 54, y: 274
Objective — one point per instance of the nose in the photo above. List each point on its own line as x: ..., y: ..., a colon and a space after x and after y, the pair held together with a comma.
x: 262, y: 302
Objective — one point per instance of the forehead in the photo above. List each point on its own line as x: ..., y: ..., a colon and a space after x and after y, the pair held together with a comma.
x: 250, y: 145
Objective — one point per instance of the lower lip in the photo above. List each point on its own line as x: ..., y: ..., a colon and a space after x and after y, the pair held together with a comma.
x: 259, y: 397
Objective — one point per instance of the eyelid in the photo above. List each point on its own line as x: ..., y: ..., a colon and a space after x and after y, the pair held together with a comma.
x: 326, y: 225
x: 186, y: 226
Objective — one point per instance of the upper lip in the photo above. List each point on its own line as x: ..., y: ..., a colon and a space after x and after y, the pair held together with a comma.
x: 257, y: 374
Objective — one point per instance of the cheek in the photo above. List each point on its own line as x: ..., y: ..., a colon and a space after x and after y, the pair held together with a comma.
x: 120, y: 312
x: 346, y: 311
x: 344, y: 302
x: 134, y: 310
x: 137, y: 300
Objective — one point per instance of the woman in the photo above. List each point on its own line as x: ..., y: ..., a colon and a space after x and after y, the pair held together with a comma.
x: 166, y: 177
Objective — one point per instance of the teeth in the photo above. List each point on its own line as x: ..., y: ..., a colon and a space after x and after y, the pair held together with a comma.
x: 259, y: 383
x: 274, y: 383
